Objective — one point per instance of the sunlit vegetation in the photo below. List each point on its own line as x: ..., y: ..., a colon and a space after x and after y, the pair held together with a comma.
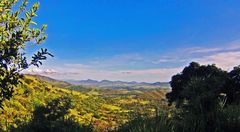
x: 203, y: 101
x: 36, y: 98
x: 203, y: 98
x: 18, y: 31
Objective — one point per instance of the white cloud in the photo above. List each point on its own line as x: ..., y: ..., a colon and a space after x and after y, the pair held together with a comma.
x: 40, y: 71
x: 225, y: 60
x: 123, y: 67
x: 203, y: 50
x: 206, y: 55
x: 153, y: 75
x: 79, y: 72
x: 172, y: 59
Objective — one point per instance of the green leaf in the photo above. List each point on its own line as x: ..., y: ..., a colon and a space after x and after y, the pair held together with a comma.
x: 34, y: 23
x: 44, y: 27
x: 27, y: 15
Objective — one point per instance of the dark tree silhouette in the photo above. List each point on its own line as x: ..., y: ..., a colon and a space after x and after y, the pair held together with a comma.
x: 51, y: 118
x: 206, y: 98
x: 197, y: 86
x: 232, y: 88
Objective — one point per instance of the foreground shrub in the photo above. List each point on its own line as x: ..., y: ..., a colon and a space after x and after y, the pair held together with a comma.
x: 51, y: 118
x: 143, y: 123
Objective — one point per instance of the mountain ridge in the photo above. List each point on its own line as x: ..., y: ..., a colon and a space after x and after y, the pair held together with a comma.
x: 118, y: 84
x: 103, y: 83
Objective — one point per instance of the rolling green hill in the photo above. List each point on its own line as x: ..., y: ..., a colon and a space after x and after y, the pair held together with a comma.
x: 102, y: 109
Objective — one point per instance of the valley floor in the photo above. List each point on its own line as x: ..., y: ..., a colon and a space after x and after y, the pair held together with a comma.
x: 42, y: 102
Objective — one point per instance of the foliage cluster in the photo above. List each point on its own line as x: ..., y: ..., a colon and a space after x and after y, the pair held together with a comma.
x: 17, y: 32
x: 205, y: 99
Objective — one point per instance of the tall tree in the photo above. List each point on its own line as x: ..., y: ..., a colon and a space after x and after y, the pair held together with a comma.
x: 232, y: 88
x: 197, y: 87
x: 17, y: 32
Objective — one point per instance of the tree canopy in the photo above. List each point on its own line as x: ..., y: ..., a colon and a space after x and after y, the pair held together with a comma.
x: 18, y: 32
x: 200, y: 87
x: 233, y: 86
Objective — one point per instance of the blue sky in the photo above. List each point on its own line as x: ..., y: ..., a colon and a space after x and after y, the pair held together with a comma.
x: 137, y: 40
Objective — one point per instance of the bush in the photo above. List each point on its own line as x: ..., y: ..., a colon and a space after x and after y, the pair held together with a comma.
x: 143, y: 123
x: 51, y: 118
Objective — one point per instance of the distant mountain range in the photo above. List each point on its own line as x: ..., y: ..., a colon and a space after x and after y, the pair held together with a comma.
x: 119, y: 84
x: 103, y: 83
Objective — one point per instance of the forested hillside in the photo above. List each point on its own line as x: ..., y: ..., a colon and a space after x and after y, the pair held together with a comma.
x: 38, y: 97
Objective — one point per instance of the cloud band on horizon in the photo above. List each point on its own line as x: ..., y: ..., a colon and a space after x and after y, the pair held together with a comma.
x: 148, y: 68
